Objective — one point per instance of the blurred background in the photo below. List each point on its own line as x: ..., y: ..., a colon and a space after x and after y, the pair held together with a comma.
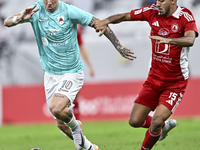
x: 116, y: 82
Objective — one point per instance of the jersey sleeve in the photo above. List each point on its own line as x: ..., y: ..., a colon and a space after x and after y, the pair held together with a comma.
x: 141, y: 14
x: 189, y: 22
x: 79, y: 16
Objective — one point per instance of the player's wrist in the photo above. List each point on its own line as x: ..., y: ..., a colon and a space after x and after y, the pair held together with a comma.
x: 16, y: 19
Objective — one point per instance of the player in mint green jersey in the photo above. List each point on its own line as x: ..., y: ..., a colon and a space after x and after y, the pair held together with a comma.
x: 55, y: 27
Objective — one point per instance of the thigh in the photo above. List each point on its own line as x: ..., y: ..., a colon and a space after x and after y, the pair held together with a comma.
x: 139, y: 113
x: 70, y: 85
x: 148, y: 96
x: 67, y: 85
x: 173, y: 94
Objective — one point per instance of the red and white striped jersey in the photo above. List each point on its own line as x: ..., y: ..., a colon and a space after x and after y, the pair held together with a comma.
x: 169, y: 62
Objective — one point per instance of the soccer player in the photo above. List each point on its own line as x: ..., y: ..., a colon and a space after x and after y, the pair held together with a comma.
x: 173, y: 31
x: 55, y: 27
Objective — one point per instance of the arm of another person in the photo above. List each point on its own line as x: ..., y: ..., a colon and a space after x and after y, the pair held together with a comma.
x: 186, y: 41
x: 86, y: 58
x: 124, y: 51
x: 17, y: 18
x: 101, y: 25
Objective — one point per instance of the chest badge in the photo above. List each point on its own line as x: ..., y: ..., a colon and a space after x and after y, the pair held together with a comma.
x: 61, y: 20
x: 174, y: 27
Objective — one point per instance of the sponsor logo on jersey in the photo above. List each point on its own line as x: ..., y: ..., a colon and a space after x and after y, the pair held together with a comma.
x: 163, y: 49
x: 42, y: 20
x: 155, y: 24
x: 47, y: 43
x: 163, y: 32
x: 174, y: 27
x: 61, y: 20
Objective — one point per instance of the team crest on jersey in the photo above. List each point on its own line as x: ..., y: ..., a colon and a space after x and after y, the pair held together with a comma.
x: 174, y: 27
x: 61, y: 20
x: 163, y: 32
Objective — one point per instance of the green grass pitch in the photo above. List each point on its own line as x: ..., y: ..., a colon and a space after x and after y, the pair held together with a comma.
x: 115, y: 135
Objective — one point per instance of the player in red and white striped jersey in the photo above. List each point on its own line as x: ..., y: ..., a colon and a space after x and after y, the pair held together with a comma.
x: 173, y: 31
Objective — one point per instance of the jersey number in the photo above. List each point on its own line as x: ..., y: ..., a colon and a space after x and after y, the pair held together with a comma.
x: 172, y: 97
x: 66, y: 86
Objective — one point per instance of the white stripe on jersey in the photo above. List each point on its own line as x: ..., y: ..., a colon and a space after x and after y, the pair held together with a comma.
x: 187, y: 16
x: 184, y: 62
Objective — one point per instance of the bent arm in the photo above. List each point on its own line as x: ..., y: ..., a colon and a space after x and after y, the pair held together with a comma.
x: 20, y: 17
x: 118, y: 18
x: 125, y: 52
x: 101, y: 25
x: 186, y: 41
x: 12, y: 20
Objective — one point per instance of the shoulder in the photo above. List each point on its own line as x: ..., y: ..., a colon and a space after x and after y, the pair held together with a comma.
x: 184, y: 13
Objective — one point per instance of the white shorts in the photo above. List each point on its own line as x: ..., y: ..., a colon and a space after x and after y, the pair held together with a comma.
x: 68, y: 84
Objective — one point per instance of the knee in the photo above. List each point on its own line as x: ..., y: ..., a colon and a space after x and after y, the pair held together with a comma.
x: 157, y: 123
x: 56, y: 111
x: 135, y: 122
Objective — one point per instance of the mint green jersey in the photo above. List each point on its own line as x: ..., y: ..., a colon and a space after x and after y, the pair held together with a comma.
x: 56, y: 37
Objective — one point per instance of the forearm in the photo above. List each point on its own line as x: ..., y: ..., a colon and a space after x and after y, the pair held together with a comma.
x: 124, y: 51
x: 182, y: 41
x: 12, y: 20
x: 109, y: 34
x: 118, y: 18
x: 112, y: 37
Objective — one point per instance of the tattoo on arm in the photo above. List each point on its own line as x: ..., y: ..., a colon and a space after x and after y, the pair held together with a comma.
x: 11, y: 17
x: 109, y: 34
x: 59, y: 96
x: 92, y: 21
x: 112, y: 37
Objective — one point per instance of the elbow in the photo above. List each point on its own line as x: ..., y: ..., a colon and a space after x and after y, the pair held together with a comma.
x: 6, y: 23
x: 190, y: 43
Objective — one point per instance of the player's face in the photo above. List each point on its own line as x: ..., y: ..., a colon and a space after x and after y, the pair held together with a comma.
x: 164, y: 7
x: 51, y: 5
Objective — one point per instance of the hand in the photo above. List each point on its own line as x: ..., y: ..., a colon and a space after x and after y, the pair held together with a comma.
x: 27, y: 13
x: 100, y: 25
x: 91, y: 72
x: 126, y: 53
x: 160, y: 40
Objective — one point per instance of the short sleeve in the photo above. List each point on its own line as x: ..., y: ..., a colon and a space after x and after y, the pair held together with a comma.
x: 79, y: 16
x: 141, y: 14
x: 189, y: 22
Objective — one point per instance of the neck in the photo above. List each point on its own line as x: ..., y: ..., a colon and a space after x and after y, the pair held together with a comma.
x: 172, y: 10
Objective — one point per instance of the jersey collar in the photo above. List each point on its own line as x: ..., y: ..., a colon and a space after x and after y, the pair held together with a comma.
x: 176, y: 14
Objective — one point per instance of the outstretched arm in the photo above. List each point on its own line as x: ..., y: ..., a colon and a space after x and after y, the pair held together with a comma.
x: 101, y: 25
x: 17, y: 18
x: 124, y: 51
x: 186, y: 41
